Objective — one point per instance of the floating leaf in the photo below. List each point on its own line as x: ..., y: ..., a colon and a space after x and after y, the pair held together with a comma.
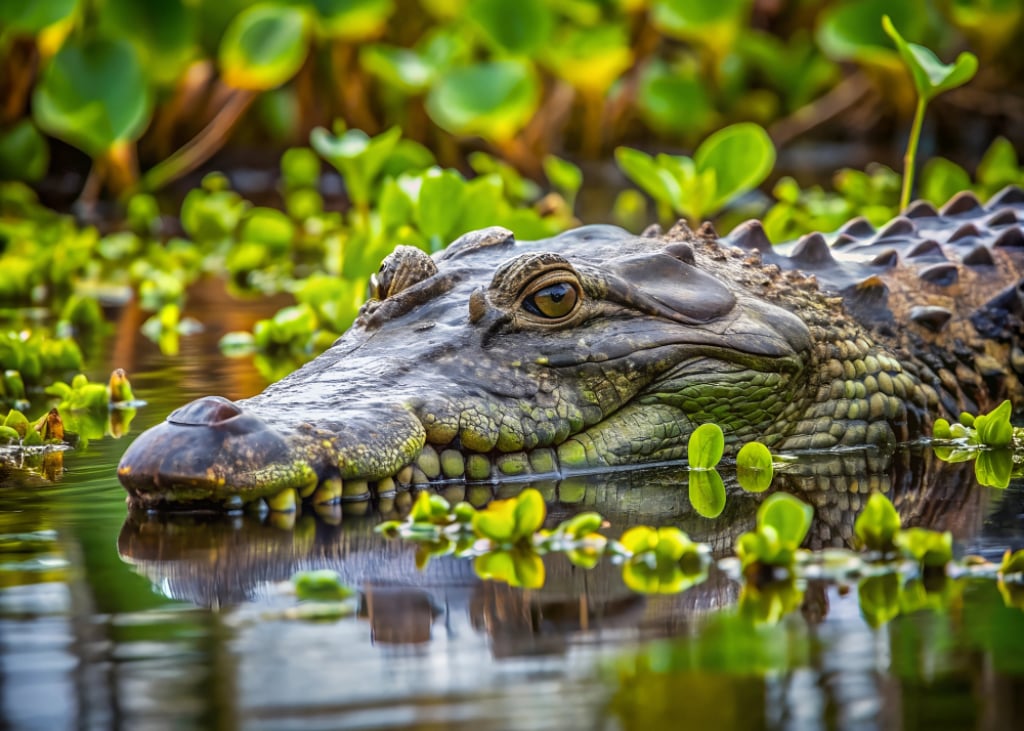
x: 707, y: 492
x: 516, y: 567
x: 789, y: 516
x: 706, y: 446
x: 926, y: 547
x: 877, y: 525
x: 492, y: 99
x: 879, y: 598
x: 994, y: 468
x: 320, y: 585
x: 994, y: 428
x: 754, y: 467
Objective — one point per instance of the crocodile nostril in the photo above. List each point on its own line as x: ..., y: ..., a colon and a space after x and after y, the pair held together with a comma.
x: 207, y: 411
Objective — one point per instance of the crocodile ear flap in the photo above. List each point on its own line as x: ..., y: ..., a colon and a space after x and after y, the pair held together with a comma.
x: 667, y: 286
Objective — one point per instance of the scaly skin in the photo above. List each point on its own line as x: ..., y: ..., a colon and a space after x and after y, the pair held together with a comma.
x: 500, y: 359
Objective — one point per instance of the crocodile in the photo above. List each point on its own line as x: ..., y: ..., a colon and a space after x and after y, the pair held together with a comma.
x: 597, y: 349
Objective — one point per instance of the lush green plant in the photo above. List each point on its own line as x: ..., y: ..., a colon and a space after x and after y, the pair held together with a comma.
x: 727, y: 164
x: 928, y: 548
x: 878, y: 525
x: 931, y: 78
x: 754, y: 467
x: 782, y: 525
x: 321, y: 585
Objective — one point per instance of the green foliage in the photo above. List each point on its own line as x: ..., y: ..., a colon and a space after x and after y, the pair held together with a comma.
x: 706, y: 492
x: 926, y: 547
x: 727, y: 164
x: 931, y: 78
x: 877, y: 525
x: 754, y: 467
x: 320, y: 585
x: 782, y: 525
x: 24, y: 154
x: 491, y: 99
x: 705, y: 447
x: 513, y: 521
x: 263, y: 47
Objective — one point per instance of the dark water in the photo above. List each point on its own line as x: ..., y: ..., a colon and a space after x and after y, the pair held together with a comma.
x: 118, y: 620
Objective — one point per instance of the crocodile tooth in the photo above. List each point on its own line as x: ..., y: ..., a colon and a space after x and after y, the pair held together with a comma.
x: 1002, y: 218
x: 963, y: 202
x: 965, y: 231
x: 943, y: 274
x: 979, y: 256
x: 858, y: 227
x: 921, y: 209
x: 750, y: 235
x: 898, y: 226
x: 1011, y: 237
x: 931, y: 317
x: 1008, y: 196
x: 927, y: 248
x: 812, y: 249
x: 888, y: 259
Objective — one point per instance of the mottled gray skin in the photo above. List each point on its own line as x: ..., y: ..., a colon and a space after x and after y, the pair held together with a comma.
x: 500, y: 359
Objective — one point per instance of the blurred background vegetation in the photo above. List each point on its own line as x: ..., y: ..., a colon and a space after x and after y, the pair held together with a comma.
x: 345, y: 127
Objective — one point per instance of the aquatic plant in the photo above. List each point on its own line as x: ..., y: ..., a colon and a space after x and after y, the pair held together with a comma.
x: 782, y: 525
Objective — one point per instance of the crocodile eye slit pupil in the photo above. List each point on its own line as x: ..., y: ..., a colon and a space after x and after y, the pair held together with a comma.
x: 552, y: 302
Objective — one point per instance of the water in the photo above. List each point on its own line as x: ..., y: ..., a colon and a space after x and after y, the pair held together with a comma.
x: 118, y: 620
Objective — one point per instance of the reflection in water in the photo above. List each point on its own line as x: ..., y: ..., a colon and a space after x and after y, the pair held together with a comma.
x: 153, y: 621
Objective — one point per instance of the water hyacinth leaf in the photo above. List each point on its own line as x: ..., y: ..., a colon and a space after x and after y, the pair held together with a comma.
x: 675, y: 100
x: 999, y: 166
x: 517, y: 567
x: 516, y: 27
x: 24, y: 153
x: 706, y: 447
x: 877, y: 525
x: 926, y: 547
x: 269, y: 227
x: 590, y: 58
x: 1013, y: 563
x: 264, y: 46
x: 931, y: 76
x: 496, y: 522
x: 672, y: 544
x: 712, y: 23
x: 768, y: 603
x: 582, y: 525
x: 300, y: 168
x: 492, y: 99
x: 163, y: 31
x: 994, y: 428
x: 707, y: 492
x: 754, y: 467
x: 853, y: 30
x: 663, y: 578
x: 941, y: 179
x: 639, y: 539
x: 93, y: 94
x: 879, y: 598
x: 400, y: 67
x: 564, y: 176
x: 994, y: 468
x: 352, y: 20
x: 320, y: 585
x: 788, y: 516
x: 530, y: 512
x: 28, y: 18
x: 741, y: 156
x: 357, y: 156
x: 649, y: 176
x: 439, y: 205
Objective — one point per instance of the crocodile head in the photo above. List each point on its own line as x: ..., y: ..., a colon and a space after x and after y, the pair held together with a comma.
x: 497, y: 358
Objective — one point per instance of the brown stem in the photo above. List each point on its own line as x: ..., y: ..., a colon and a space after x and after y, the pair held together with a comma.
x: 844, y: 96
x: 203, y: 146
x: 19, y: 70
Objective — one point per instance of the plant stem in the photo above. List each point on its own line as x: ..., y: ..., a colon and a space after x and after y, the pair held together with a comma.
x: 201, y: 147
x: 911, y: 156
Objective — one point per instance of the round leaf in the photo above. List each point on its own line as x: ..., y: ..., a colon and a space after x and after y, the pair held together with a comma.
x: 931, y: 76
x: 741, y: 155
x: 31, y: 17
x: 24, y: 154
x: 877, y: 525
x: 352, y: 20
x: 789, y: 516
x: 264, y: 46
x: 754, y: 467
x: 491, y: 99
x: 93, y: 94
x: 164, y: 33
x: 706, y: 446
x: 707, y: 493
x: 519, y: 27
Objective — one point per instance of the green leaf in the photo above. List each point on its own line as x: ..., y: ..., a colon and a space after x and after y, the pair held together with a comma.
x: 941, y: 179
x: 93, y: 94
x: 24, y: 154
x: 400, y: 67
x: 164, y: 33
x: 707, y: 492
x: 754, y: 467
x: 517, y: 27
x: 496, y: 522
x: 582, y: 525
x: 675, y: 100
x: 994, y: 467
x: 564, y: 176
x: 352, y: 20
x: 492, y: 99
x: 926, y: 547
x: 741, y: 156
x: 357, y: 156
x: 1013, y: 563
x: 877, y: 525
x: 706, y: 446
x: 853, y: 31
x: 517, y: 567
x: 789, y: 516
x: 999, y: 167
x: 879, y: 598
x: 649, y: 176
x: 320, y: 585
x: 265, y: 46
x: 590, y: 58
x: 529, y: 513
x: 931, y: 76
x: 439, y: 204
x: 28, y: 18
x: 994, y: 428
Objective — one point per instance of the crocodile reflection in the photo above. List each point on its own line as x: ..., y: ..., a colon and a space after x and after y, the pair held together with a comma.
x: 216, y: 560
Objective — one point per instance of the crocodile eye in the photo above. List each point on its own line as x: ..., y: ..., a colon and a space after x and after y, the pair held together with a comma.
x: 553, y: 301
